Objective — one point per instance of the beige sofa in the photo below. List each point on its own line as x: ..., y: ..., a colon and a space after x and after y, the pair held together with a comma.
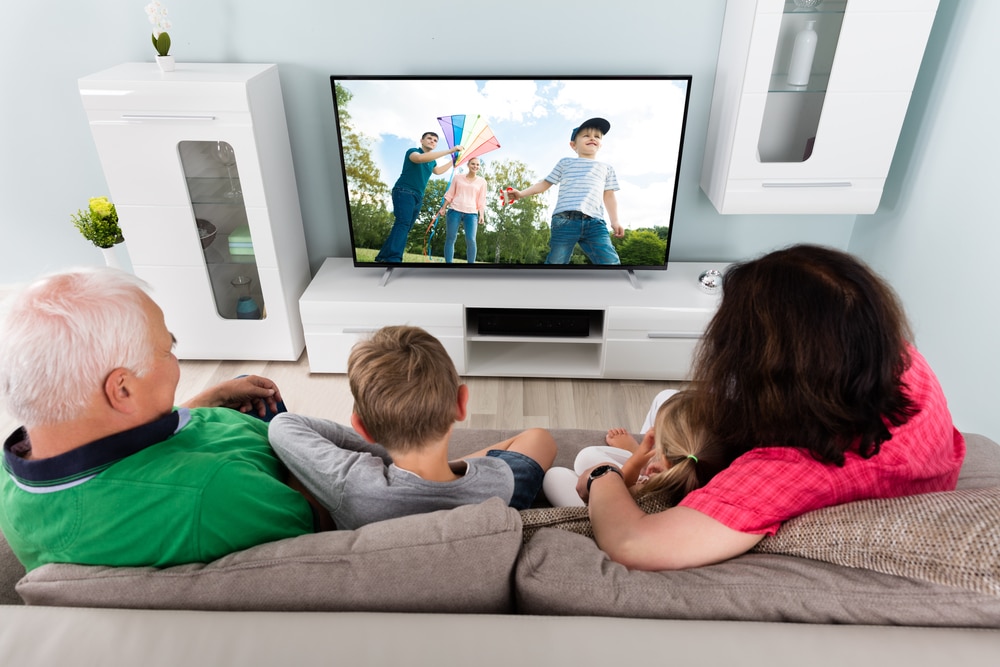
x: 907, y: 581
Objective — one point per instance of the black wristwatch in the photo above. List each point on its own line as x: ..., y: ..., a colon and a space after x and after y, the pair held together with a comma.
x: 601, y: 471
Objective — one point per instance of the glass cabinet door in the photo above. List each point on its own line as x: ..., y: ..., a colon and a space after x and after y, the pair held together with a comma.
x: 213, y: 180
x: 803, y: 58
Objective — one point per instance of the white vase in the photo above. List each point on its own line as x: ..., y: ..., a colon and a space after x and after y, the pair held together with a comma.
x: 166, y: 63
x: 111, y: 258
x: 803, y: 50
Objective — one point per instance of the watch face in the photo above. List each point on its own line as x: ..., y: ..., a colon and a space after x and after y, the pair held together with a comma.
x: 599, y: 470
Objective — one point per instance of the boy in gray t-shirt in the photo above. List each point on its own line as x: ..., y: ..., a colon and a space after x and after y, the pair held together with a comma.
x: 407, y: 398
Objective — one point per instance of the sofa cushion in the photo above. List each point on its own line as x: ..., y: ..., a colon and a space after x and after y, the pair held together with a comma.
x: 948, y: 538
x: 577, y: 519
x: 560, y: 572
x: 981, y: 467
x: 10, y: 571
x: 932, y: 559
x: 458, y: 560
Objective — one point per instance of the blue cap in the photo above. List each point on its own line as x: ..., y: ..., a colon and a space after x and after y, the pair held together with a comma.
x: 596, y: 123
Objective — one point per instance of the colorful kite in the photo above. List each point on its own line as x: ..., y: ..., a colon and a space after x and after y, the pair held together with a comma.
x: 471, y: 132
x: 475, y: 137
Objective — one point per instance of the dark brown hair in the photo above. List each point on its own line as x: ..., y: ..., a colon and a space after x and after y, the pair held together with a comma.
x: 405, y: 387
x: 807, y: 349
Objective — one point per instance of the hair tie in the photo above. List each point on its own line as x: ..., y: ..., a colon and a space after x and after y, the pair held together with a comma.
x: 693, y: 457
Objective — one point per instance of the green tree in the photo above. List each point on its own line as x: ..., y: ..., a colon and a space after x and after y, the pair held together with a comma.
x: 422, y: 232
x: 515, y: 233
x: 370, y: 224
x: 642, y: 247
x: 364, y: 180
x: 367, y: 195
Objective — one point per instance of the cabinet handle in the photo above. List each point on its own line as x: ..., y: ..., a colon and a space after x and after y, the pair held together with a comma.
x: 156, y: 116
x: 672, y: 334
x: 826, y: 184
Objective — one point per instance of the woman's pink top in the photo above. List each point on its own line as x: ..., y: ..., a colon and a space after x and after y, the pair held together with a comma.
x: 467, y: 196
x: 769, y: 485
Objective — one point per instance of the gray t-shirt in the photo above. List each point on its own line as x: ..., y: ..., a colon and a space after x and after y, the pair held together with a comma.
x: 358, y: 483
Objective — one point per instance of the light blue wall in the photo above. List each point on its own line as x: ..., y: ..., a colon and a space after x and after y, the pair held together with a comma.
x: 937, y: 232
x: 934, y: 224
x: 49, y: 166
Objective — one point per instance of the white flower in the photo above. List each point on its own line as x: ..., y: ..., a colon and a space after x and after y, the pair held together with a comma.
x: 157, y: 15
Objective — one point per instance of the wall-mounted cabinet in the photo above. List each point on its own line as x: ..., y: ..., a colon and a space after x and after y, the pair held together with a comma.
x: 809, y: 102
x: 199, y: 166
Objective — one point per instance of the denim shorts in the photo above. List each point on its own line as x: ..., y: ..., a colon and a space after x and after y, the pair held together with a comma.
x: 528, y: 476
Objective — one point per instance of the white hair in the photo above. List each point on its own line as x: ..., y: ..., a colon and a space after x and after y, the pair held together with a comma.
x: 63, y: 335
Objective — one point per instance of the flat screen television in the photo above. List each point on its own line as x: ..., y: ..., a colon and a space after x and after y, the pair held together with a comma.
x: 514, y: 132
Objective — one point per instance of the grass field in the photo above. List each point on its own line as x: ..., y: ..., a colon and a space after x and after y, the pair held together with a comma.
x: 368, y: 255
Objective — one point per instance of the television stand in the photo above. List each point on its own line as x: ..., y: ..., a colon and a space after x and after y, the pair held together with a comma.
x: 385, y: 277
x: 518, y: 322
x: 630, y: 274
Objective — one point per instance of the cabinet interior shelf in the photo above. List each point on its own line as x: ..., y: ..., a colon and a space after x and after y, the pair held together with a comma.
x: 212, y: 190
x: 818, y: 83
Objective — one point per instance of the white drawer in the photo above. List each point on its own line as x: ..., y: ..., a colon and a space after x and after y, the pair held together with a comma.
x: 374, y: 315
x: 622, y: 321
x: 328, y: 350
x: 659, y: 359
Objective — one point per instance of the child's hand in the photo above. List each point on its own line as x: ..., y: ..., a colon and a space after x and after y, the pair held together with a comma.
x: 617, y: 230
x: 512, y: 195
x: 640, y: 461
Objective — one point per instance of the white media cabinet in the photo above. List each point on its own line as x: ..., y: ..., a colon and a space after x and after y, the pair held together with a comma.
x: 644, y: 331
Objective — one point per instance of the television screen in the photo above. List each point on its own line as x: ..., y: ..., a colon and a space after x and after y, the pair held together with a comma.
x: 511, y: 171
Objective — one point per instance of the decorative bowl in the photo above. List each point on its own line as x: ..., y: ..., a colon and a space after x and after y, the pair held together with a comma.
x: 207, y: 231
x: 710, y: 281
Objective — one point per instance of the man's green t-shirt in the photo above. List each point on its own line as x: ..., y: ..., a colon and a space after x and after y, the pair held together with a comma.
x: 190, y: 487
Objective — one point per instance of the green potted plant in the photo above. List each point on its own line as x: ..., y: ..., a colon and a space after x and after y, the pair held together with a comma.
x: 157, y: 14
x: 99, y: 225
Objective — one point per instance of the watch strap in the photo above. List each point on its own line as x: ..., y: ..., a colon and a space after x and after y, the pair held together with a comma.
x: 601, y: 471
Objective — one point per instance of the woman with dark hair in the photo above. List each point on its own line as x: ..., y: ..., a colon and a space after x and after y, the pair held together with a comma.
x: 809, y: 379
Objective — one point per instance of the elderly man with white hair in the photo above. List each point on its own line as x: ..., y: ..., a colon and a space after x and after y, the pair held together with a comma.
x: 105, y: 470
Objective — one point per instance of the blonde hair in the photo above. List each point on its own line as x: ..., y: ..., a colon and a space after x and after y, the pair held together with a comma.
x: 405, y: 387
x: 63, y: 335
x: 690, y: 453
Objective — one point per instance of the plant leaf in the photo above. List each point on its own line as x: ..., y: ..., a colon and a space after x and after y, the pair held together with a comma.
x: 162, y: 44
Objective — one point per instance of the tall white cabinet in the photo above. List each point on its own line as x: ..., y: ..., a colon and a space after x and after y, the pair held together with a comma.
x: 199, y: 166
x: 825, y: 146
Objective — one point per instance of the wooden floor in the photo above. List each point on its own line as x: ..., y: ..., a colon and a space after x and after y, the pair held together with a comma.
x: 493, y: 403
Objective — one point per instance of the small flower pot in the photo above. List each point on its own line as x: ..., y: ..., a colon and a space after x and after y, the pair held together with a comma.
x: 166, y: 63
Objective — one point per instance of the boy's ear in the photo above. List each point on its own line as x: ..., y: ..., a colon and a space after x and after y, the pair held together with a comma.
x: 359, y: 426
x: 461, y: 409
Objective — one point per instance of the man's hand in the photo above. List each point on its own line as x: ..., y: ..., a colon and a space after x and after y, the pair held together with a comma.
x: 246, y: 394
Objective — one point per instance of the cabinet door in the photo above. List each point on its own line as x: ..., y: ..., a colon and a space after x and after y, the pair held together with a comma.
x: 652, y: 343
x: 649, y: 359
x: 826, y: 145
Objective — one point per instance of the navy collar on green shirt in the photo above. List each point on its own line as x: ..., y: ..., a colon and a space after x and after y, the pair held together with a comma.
x: 83, y: 463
